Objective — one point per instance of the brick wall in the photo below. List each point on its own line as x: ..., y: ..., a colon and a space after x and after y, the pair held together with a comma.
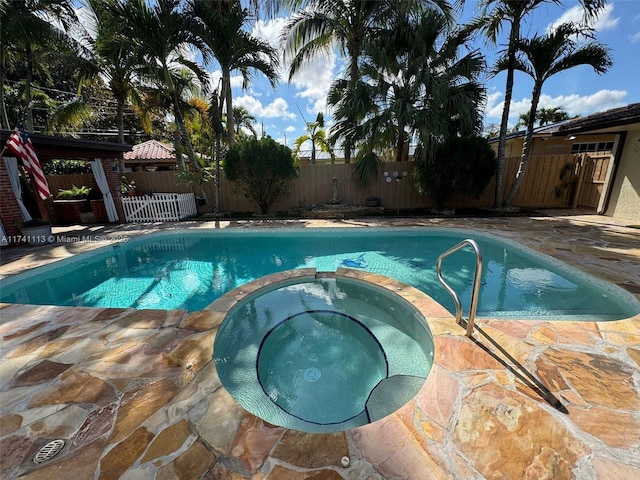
x: 9, y: 210
x: 113, y: 179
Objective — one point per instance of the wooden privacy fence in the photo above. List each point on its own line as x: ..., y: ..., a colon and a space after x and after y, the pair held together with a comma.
x: 551, y: 181
x: 159, y: 207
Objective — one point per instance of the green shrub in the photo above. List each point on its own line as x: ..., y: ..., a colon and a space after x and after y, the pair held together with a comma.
x: 460, y: 165
x: 260, y: 168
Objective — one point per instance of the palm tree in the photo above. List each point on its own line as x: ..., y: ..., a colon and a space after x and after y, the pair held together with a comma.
x: 543, y: 56
x: 118, y: 62
x: 496, y: 13
x: 422, y: 85
x: 158, y: 33
x: 317, y: 136
x: 221, y: 29
x: 156, y: 100
x: 25, y: 31
x: 323, y: 24
x: 242, y: 118
x: 551, y: 115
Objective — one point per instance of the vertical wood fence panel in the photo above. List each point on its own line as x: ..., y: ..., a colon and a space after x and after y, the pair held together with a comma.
x: 549, y: 182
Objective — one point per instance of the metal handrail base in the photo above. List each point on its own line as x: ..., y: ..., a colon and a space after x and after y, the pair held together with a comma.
x: 476, y: 283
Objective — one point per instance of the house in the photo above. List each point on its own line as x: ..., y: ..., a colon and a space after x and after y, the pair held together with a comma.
x: 621, y: 183
x: 151, y: 155
x: 606, y: 146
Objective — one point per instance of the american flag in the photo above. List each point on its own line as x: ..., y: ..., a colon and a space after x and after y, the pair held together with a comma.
x: 20, y: 143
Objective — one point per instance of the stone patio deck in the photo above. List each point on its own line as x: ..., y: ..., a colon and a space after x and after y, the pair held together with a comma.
x: 136, y: 395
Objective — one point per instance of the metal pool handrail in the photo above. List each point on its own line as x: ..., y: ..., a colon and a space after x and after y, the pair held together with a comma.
x: 476, y: 283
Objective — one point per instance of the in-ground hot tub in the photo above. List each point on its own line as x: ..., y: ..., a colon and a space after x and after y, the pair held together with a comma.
x: 323, y: 353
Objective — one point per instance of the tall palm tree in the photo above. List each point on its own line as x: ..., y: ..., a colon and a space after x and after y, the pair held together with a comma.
x: 28, y: 30
x: 118, y: 62
x: 322, y: 24
x: 422, y: 85
x: 157, y: 100
x: 221, y: 29
x: 159, y: 33
x: 543, y: 56
x: 494, y: 15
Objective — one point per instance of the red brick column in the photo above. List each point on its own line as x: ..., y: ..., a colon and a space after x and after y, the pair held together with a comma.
x: 9, y: 210
x: 113, y: 179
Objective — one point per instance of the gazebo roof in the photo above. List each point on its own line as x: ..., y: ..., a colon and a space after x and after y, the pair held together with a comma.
x: 151, y: 151
x: 48, y: 147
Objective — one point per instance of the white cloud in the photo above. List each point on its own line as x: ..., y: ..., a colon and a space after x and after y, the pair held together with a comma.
x: 313, y: 80
x: 270, y: 30
x: 276, y: 109
x: 572, y: 104
x: 635, y: 38
x: 605, y: 21
x: 290, y: 129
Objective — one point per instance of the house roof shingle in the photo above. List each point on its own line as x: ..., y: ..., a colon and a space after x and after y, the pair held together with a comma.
x: 151, y: 150
x: 610, y: 118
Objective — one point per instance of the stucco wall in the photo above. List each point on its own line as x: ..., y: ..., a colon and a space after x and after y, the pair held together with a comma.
x: 625, y: 194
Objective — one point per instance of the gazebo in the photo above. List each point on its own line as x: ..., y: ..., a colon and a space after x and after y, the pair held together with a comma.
x: 47, y: 148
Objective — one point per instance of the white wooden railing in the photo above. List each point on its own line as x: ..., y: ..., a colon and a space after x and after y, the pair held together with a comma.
x: 159, y: 207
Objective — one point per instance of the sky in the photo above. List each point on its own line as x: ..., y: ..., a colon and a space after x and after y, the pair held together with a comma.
x: 282, y: 112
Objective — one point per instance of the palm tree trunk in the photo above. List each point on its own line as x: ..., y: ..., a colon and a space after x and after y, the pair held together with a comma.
x: 4, y: 119
x: 120, y: 125
x: 400, y: 144
x: 508, y: 94
x: 27, y: 86
x: 526, y: 148
x: 226, y: 88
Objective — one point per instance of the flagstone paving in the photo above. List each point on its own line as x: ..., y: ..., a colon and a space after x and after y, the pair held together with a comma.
x: 136, y: 395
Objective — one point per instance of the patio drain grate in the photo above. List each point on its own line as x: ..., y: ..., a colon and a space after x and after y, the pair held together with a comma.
x: 49, y: 451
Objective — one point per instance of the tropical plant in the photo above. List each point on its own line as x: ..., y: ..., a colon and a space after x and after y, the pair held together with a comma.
x: 158, y: 34
x: 31, y: 31
x: 242, y: 118
x: 544, y: 116
x: 322, y: 25
x: 495, y: 14
x: 260, y: 168
x: 118, y: 62
x: 459, y: 165
x: 543, y: 56
x: 221, y: 28
x: 74, y: 192
x: 552, y: 115
x: 419, y: 85
x: 317, y: 136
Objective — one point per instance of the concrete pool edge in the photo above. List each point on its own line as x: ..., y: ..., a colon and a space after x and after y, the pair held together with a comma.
x: 463, y: 372
x: 430, y: 436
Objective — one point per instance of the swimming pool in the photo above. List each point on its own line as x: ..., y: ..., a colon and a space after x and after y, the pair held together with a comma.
x: 190, y: 269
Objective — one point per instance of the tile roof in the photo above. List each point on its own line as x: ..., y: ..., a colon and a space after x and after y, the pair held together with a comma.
x: 151, y: 150
x: 609, y: 118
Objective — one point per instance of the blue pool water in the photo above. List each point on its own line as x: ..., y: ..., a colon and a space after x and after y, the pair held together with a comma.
x: 188, y: 270
x: 323, y: 354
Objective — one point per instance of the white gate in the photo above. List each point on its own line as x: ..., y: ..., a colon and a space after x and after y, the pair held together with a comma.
x: 159, y: 207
